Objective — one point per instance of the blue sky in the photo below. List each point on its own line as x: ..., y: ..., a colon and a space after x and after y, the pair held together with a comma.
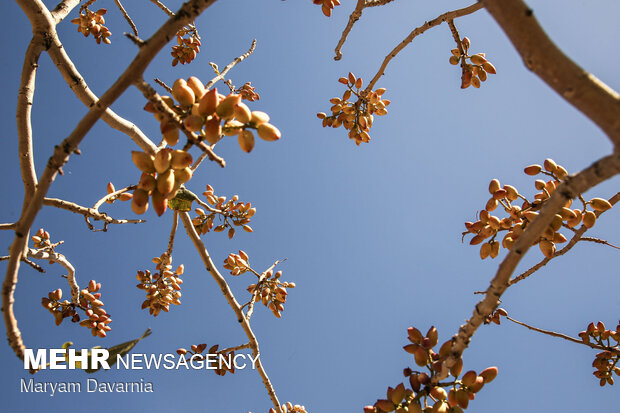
x: 372, y: 234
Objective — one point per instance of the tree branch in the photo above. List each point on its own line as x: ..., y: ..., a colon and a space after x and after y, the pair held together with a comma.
x: 231, y: 65
x: 63, y: 9
x: 571, y: 243
x: 574, y: 185
x: 53, y: 256
x: 448, y: 16
x: 584, y: 91
x: 88, y: 212
x: 173, y: 231
x: 80, y: 88
x: 227, y: 292
x: 353, y: 17
x: 126, y: 16
x: 37, y: 12
x: 565, y: 337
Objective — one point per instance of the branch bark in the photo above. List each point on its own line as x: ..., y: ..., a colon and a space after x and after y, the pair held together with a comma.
x: 232, y: 301
x: 574, y: 185
x: 87, y: 212
x: 38, y: 14
x: 596, y: 100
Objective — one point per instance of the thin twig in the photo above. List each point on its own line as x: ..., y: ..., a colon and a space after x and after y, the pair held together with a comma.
x: 227, y: 292
x: 88, y: 213
x: 200, y: 159
x: 599, y: 241
x: 231, y: 65
x: 353, y: 17
x: 164, y: 85
x: 236, y: 348
x: 459, y: 45
x: 8, y: 226
x: 375, y: 3
x: 126, y: 16
x: 451, y: 15
x: 163, y: 7
x: 27, y: 261
x: 33, y: 265
x: 565, y: 337
x: 261, y: 278
x: 173, y: 231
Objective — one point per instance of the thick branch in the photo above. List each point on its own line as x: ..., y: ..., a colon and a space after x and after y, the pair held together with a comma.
x: 24, y: 113
x: 63, y: 9
x: 584, y: 91
x: 227, y: 292
x: 36, y: 12
x: 79, y: 86
x: 26, y: 162
x: 574, y: 185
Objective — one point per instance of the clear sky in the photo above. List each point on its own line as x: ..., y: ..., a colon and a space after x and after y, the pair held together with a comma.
x: 372, y: 234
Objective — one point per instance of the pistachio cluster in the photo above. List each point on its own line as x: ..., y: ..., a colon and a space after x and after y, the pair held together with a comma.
x: 424, y: 394
x: 125, y: 196
x: 233, y: 211
x: 271, y: 291
x: 162, y: 176
x: 605, y: 362
x: 237, y: 263
x: 212, y: 115
x: 187, y: 47
x: 474, y: 71
x: 519, y: 217
x: 247, y: 92
x: 42, y: 239
x: 91, y: 22
x: 327, y: 6
x: 195, y: 353
x: 162, y: 287
x: 98, y: 319
x: 59, y: 309
x: 288, y: 407
x: 356, y: 117
x: 89, y: 301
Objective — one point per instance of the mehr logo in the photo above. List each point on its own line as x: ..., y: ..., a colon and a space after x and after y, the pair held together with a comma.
x: 95, y: 359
